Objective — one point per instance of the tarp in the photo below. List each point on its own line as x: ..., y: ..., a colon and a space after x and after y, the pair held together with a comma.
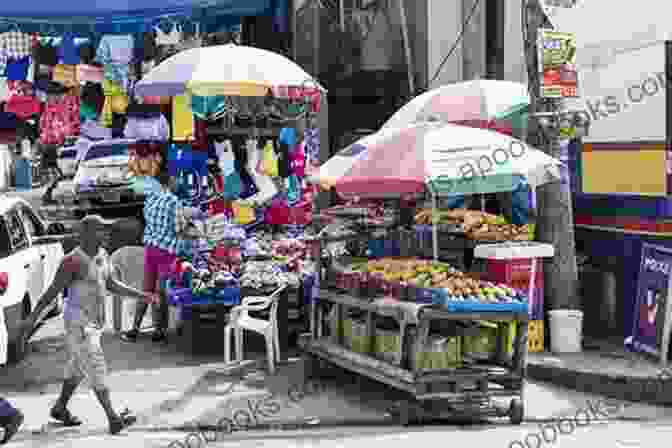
x: 123, y: 16
x: 87, y: 9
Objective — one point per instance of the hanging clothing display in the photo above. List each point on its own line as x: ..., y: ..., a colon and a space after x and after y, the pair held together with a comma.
x: 59, y: 120
x: 208, y: 107
x: 65, y: 75
x: 311, y: 137
x: 68, y: 51
x: 89, y: 73
x: 172, y: 37
x: 183, y: 119
x: 15, y: 45
x: 144, y: 128
x: 116, y: 102
x: 298, y: 160
x: 17, y: 69
x: 115, y: 53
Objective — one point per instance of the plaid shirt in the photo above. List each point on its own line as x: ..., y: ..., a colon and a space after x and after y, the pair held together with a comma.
x: 14, y: 45
x: 164, y: 219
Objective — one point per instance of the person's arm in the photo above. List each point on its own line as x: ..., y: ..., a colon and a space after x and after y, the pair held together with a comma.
x: 121, y: 289
x: 64, y: 277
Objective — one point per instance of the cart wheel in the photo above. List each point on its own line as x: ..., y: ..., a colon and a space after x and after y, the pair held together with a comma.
x: 406, y: 412
x: 516, y: 411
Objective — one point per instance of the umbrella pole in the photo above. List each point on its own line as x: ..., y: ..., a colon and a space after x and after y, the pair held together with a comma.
x: 435, y: 228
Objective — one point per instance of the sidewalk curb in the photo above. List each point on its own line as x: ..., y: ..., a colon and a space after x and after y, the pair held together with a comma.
x: 649, y: 390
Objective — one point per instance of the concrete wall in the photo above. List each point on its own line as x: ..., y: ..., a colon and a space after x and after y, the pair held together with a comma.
x: 473, y: 51
x: 514, y: 58
x: 444, y: 22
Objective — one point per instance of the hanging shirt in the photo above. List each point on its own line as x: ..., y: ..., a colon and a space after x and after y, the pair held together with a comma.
x: 298, y: 160
x: 15, y: 45
x: 115, y: 53
x: 312, y: 139
x: 68, y: 51
x: 183, y: 119
x: 17, y: 69
x: 154, y: 128
x: 173, y: 37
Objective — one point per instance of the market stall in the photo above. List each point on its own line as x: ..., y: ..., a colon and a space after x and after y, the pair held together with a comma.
x: 241, y: 154
x: 424, y: 326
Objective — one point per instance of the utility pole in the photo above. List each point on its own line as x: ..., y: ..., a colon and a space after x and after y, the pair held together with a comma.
x: 555, y: 220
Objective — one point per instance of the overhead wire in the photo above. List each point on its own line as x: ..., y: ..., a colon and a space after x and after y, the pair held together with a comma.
x: 459, y: 39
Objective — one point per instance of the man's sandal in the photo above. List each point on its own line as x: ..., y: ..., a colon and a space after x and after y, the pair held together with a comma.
x: 64, y: 416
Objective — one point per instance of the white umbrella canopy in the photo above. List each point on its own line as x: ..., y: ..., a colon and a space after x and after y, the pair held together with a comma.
x: 470, y: 101
x: 225, y: 70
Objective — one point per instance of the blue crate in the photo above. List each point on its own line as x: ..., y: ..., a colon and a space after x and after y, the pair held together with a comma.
x: 185, y: 296
x: 454, y: 306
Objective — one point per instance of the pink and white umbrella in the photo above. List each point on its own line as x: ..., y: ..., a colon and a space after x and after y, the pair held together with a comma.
x: 477, y: 103
x: 449, y: 159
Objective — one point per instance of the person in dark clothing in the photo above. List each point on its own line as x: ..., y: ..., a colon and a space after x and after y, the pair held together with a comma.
x: 11, y: 420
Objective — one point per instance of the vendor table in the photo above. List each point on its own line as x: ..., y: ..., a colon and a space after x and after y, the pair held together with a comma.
x: 469, y: 389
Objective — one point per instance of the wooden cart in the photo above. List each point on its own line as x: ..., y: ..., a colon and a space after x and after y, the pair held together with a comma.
x: 464, y: 391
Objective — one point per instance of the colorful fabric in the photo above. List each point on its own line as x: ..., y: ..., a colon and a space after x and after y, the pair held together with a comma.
x: 183, y: 119
x: 23, y: 106
x: 65, y: 75
x: 312, y: 147
x: 16, y: 44
x: 298, y: 160
x: 155, y: 128
x: 68, y: 50
x: 115, y: 53
x: 117, y: 104
x: 208, y: 107
x: 17, y: 69
x: 90, y: 73
x: 162, y: 221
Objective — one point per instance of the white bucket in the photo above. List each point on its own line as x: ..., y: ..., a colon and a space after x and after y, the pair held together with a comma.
x: 566, y: 330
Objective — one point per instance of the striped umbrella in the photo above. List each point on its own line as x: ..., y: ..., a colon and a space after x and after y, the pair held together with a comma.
x: 449, y: 159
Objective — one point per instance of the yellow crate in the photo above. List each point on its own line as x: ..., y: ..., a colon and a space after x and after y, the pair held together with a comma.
x: 535, y: 336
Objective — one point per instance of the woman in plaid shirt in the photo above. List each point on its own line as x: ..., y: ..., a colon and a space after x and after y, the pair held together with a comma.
x: 165, y: 218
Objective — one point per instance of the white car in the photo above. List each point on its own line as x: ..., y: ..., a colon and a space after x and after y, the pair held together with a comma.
x: 100, y: 184
x: 30, y: 254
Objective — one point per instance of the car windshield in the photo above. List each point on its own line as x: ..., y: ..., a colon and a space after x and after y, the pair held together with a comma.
x: 98, y: 152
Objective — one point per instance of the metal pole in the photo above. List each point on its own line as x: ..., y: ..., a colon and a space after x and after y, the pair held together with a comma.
x: 435, y: 227
x: 341, y: 14
x: 407, y: 48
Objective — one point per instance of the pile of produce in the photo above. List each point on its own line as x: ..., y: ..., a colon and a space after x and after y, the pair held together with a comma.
x: 455, y: 284
x: 478, y: 225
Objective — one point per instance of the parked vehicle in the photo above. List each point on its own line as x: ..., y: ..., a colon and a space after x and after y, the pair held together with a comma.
x: 101, y: 184
x: 30, y: 253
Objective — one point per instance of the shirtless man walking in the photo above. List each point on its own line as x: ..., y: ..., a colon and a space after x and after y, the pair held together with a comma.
x: 86, y: 273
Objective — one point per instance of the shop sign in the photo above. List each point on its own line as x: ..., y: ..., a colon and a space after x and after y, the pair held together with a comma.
x: 557, y: 64
x: 653, y: 290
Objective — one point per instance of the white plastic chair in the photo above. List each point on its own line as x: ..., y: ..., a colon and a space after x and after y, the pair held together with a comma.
x: 240, y: 320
